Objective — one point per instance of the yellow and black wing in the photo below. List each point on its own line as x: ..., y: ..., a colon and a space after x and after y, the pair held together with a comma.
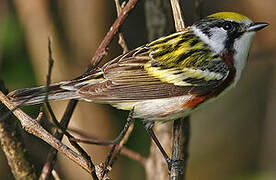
x: 171, y: 66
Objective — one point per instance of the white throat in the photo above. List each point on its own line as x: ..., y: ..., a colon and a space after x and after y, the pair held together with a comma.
x: 242, y: 47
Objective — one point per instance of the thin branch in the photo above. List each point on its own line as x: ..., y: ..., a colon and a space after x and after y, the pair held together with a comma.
x: 96, y: 141
x: 50, y: 67
x: 101, y: 51
x: 177, y: 15
x: 121, y: 40
x: 52, y: 155
x: 55, y: 175
x: 181, y: 127
x: 133, y: 155
x: 181, y: 135
x: 73, y: 143
x: 33, y: 127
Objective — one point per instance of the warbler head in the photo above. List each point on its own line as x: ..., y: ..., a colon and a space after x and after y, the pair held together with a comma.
x: 228, y: 32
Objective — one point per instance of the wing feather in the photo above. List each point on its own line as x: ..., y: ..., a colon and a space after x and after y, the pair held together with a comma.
x: 173, y: 66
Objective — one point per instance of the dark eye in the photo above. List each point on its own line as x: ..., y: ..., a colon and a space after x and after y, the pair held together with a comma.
x: 228, y: 26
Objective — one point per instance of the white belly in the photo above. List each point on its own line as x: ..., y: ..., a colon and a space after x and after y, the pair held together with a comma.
x: 158, y: 109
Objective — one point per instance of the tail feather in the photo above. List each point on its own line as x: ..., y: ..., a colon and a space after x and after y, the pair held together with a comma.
x: 36, y: 95
x: 57, y: 91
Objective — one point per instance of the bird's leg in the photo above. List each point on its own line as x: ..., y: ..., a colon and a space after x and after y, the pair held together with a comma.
x: 149, y: 128
x: 130, y: 120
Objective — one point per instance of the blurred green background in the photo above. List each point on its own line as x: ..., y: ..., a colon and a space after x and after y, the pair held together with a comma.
x: 232, y: 139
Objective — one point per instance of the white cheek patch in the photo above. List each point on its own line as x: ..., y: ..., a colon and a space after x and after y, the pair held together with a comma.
x: 217, y: 39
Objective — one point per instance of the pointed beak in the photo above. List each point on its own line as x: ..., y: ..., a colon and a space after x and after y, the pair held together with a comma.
x: 256, y: 26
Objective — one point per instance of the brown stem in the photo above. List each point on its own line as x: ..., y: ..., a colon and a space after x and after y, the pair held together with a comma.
x: 181, y: 127
x: 101, y: 51
x: 82, y: 152
x: 94, y: 139
x: 177, y: 15
x: 33, y: 127
x: 181, y: 135
x: 13, y: 146
x: 52, y: 155
x: 121, y: 40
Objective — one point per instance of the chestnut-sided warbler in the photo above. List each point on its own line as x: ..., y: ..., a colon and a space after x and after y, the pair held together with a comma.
x: 167, y: 78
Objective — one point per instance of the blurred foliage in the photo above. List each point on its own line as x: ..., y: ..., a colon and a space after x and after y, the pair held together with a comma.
x: 14, y: 54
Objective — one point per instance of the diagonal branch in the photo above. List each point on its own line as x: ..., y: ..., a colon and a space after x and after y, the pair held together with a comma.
x: 101, y: 51
x: 121, y: 40
x: 52, y: 155
x: 33, y: 127
x: 94, y: 140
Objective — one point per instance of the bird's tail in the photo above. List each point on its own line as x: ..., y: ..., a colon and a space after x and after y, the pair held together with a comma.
x: 36, y: 95
x: 57, y: 91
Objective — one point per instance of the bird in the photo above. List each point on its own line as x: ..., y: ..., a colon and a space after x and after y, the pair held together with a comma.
x: 167, y: 78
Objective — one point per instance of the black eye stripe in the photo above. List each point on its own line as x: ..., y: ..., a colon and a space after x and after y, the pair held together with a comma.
x: 206, y: 24
x: 227, y: 25
x: 233, y: 29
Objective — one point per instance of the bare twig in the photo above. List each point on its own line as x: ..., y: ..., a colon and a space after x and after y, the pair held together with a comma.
x: 52, y: 155
x: 125, y: 133
x: 50, y: 67
x: 101, y: 51
x: 38, y: 118
x: 33, y: 127
x: 181, y: 127
x: 83, y: 153
x: 121, y: 40
x: 55, y: 175
x: 95, y: 140
x: 181, y: 135
x: 177, y: 15
x: 133, y: 155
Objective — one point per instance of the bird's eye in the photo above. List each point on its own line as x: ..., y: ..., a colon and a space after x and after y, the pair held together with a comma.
x: 228, y: 26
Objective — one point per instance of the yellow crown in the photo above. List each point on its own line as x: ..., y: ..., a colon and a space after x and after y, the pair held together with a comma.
x: 229, y: 16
